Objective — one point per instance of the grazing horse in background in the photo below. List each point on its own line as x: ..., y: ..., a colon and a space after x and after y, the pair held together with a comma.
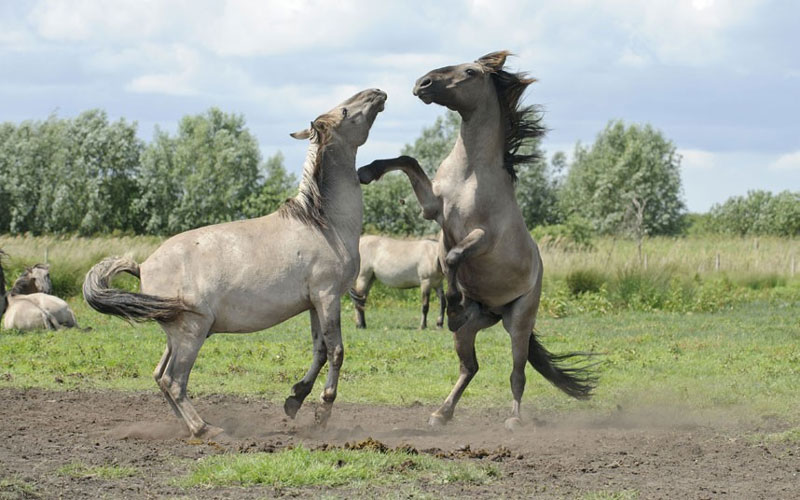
x: 493, y: 266
x: 399, y: 264
x: 249, y: 275
x: 29, y: 305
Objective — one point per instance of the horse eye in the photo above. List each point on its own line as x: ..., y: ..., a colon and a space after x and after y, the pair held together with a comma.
x: 344, y: 112
x: 470, y: 72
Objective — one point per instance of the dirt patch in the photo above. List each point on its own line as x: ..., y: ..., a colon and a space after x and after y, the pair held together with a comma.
x: 659, y: 453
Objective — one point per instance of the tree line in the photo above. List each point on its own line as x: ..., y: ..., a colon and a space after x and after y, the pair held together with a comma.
x: 89, y: 175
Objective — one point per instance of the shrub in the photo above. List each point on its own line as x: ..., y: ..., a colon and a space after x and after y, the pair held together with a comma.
x: 582, y: 281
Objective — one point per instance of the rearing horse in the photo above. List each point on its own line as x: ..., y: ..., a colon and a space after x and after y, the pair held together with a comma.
x: 493, y: 265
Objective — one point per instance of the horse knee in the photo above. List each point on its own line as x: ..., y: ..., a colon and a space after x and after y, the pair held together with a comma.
x: 337, y: 356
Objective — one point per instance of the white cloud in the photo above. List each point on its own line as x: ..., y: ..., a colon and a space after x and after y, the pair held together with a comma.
x: 789, y: 161
x: 695, y: 159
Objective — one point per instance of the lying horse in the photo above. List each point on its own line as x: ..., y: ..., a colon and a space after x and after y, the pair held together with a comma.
x: 29, y: 305
x: 399, y: 264
x: 493, y: 267
x: 249, y: 275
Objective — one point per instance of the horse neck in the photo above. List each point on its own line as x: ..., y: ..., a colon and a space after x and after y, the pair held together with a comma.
x: 480, y: 142
x: 341, y: 191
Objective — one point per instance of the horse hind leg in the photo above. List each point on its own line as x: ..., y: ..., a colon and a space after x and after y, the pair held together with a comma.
x: 302, y: 388
x: 185, y: 340
x: 464, y: 340
x: 425, y: 293
x: 359, y: 294
x: 158, y: 374
x: 442, y: 306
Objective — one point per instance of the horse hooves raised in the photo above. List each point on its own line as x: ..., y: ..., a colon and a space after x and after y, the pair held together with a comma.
x: 290, y: 406
x: 436, y: 420
x: 366, y: 175
x: 512, y: 424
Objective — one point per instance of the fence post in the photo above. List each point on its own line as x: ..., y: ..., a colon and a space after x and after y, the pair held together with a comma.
x: 716, y: 262
x: 46, y: 251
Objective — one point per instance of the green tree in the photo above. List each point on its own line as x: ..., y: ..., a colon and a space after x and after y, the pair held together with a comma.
x: 97, y: 178
x: 537, y: 188
x: 205, y: 175
x: 390, y: 205
x: 758, y: 213
x: 629, y: 177
x: 275, y: 186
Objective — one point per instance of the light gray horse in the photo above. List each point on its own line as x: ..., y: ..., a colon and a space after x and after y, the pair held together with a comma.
x: 249, y: 275
x: 492, y: 265
x: 399, y: 264
x: 29, y: 305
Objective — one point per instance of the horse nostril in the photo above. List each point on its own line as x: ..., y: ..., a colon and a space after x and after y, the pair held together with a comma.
x: 425, y: 83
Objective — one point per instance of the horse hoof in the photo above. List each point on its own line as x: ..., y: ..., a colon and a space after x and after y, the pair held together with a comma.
x: 437, y: 420
x: 290, y: 407
x: 365, y: 175
x: 209, y: 432
x: 321, y: 417
x: 513, y: 424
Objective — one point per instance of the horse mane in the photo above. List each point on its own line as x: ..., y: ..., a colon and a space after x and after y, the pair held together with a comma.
x: 306, y: 206
x: 20, y: 286
x: 521, y: 123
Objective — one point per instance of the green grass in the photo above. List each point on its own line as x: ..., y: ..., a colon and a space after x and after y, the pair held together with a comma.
x: 748, y: 356
x: 15, y: 488
x: 107, y: 471
x: 300, y: 467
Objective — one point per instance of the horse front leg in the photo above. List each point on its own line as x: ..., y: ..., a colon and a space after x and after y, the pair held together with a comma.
x: 475, y: 243
x: 330, y: 321
x: 423, y: 189
x: 302, y: 388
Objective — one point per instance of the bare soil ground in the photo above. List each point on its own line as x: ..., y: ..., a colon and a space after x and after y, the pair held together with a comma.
x: 656, y: 453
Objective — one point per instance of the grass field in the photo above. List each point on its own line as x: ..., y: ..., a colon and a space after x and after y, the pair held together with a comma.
x: 748, y: 356
x: 687, y: 336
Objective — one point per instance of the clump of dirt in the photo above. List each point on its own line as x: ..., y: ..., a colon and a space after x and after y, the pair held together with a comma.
x: 369, y: 444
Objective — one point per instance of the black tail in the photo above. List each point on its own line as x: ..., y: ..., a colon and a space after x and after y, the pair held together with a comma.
x: 577, y: 381
x: 129, y: 305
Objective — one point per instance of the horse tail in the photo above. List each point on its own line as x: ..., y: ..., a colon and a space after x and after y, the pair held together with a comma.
x: 576, y: 381
x: 132, y: 306
x: 360, y: 301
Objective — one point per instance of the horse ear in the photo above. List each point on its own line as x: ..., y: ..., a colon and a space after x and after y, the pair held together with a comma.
x: 494, y: 61
x: 302, y: 134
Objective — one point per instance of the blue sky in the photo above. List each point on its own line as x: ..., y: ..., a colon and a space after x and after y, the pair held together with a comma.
x: 721, y: 79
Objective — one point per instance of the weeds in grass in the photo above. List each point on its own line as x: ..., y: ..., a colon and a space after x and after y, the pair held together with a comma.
x: 303, y: 467
x: 15, y: 489
x: 108, y: 471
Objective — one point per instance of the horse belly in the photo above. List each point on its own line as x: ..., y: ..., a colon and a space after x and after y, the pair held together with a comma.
x: 398, y: 278
x: 241, y: 312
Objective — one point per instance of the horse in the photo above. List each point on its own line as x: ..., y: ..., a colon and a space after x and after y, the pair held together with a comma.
x: 493, y: 266
x: 29, y: 305
x: 399, y: 264
x: 249, y: 275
